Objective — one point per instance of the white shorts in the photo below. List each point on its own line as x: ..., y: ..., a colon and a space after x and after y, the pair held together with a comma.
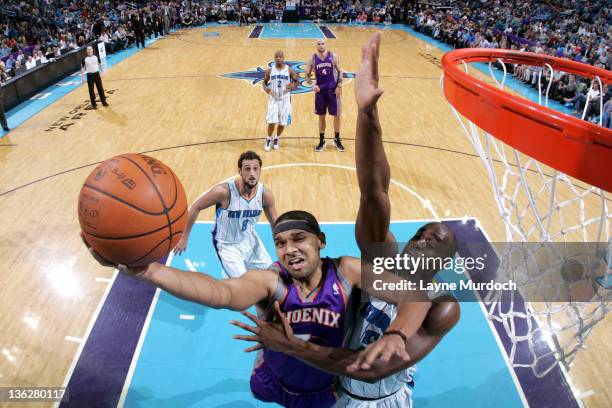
x: 238, y: 258
x: 401, y: 399
x: 279, y: 111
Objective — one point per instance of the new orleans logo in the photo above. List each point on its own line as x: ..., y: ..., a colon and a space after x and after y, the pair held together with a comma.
x: 256, y: 75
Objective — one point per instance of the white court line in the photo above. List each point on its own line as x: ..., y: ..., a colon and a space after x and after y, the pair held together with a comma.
x: 424, y: 202
x: 586, y: 394
x: 92, y: 321
x: 330, y: 30
x: 503, y: 350
x: 190, y: 265
x: 74, y: 339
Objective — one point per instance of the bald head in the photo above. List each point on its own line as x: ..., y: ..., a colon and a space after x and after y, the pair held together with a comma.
x: 321, y: 45
x: 279, y: 58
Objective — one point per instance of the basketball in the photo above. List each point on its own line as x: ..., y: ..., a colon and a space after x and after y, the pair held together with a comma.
x: 132, y: 209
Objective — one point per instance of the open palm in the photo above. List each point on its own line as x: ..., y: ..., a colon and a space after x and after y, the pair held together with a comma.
x: 367, y: 91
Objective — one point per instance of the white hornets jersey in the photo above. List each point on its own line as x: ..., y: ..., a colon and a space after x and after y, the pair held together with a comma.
x: 279, y: 81
x: 237, y: 221
x: 372, y: 321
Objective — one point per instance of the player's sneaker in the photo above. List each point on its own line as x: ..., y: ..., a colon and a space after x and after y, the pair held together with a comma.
x: 321, y: 146
x: 276, y: 144
x: 338, y: 144
x: 268, y: 143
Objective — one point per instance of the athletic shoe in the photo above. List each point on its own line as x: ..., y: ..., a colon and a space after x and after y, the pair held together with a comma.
x: 338, y: 144
x: 276, y: 145
x: 321, y: 146
x: 268, y: 143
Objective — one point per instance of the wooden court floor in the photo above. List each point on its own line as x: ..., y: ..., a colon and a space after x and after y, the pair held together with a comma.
x: 171, y: 101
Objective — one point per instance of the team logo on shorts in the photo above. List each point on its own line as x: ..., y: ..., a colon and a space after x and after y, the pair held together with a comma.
x: 256, y: 75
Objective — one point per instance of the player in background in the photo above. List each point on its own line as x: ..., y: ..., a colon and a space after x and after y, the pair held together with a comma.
x: 328, y: 90
x: 279, y: 80
x: 238, y: 205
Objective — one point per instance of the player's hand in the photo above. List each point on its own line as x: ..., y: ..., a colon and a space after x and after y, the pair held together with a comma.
x: 338, y: 91
x: 131, y: 271
x: 267, y: 90
x: 273, y: 336
x: 383, y: 350
x: 181, y: 246
x: 316, y: 88
x: 367, y: 91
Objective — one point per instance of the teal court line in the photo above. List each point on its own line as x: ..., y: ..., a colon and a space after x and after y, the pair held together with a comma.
x: 209, y: 369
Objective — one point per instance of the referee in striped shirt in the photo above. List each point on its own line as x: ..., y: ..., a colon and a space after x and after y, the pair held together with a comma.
x: 91, y: 67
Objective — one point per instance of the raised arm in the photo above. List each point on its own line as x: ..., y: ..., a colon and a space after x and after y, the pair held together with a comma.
x: 269, y: 206
x: 218, y: 195
x: 373, y: 171
x: 374, y: 175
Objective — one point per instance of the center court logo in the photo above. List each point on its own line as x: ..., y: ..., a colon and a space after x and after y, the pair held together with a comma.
x: 256, y: 75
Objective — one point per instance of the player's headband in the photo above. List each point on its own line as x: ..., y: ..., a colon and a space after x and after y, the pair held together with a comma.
x: 296, y: 224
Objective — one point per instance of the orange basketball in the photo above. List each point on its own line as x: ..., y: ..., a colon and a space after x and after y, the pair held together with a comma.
x: 132, y: 209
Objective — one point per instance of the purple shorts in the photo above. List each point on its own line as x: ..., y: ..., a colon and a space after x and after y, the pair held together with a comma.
x: 326, y: 101
x: 267, y: 388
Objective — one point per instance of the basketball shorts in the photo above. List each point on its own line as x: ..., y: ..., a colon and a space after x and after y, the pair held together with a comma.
x: 279, y: 111
x: 401, y: 399
x: 240, y: 257
x: 267, y: 388
x: 326, y: 101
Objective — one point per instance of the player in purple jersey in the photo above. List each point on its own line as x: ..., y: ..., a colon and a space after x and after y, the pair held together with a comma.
x: 380, y: 365
x: 313, y: 292
x: 328, y: 90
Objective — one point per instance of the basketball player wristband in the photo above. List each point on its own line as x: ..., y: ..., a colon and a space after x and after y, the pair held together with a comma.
x: 399, y: 333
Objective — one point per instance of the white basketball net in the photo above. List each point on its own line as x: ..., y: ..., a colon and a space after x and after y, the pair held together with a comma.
x: 539, y: 204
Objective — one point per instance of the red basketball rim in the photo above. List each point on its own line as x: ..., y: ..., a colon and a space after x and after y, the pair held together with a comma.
x: 573, y: 146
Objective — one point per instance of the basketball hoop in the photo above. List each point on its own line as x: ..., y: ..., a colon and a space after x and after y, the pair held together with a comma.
x: 551, y: 179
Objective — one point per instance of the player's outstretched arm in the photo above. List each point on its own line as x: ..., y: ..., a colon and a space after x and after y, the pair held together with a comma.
x: 374, y: 214
x: 373, y: 171
x: 217, y: 195
x: 440, y: 319
x: 233, y: 294
x: 269, y: 207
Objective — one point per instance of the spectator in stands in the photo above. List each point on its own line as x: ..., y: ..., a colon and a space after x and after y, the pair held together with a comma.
x: 3, y: 77
x: 109, y: 45
x: 18, y: 68
x: 30, y: 62
x: 607, y: 115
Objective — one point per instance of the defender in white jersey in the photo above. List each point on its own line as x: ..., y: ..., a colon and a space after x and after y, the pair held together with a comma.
x: 279, y: 80
x: 238, y: 205
x: 384, y: 342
